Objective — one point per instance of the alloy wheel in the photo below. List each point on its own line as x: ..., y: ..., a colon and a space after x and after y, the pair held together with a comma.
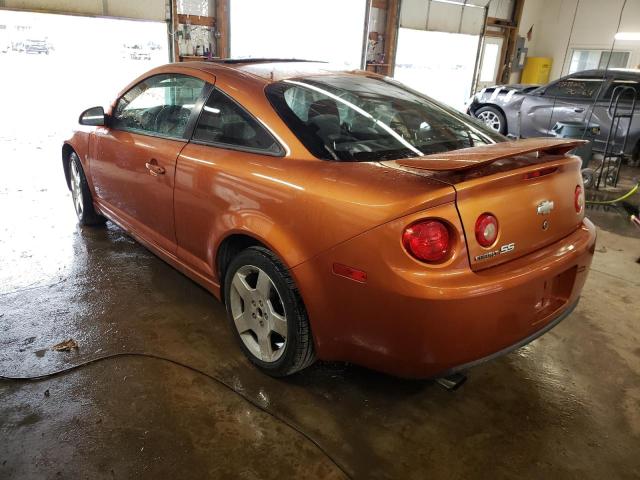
x: 258, y: 313
x: 76, y: 191
x: 490, y: 119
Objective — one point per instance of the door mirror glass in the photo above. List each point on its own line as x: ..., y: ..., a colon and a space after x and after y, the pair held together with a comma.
x: 92, y: 116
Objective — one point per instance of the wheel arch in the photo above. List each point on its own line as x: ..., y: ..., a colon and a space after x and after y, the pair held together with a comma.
x: 231, y: 245
x: 497, y: 107
x: 67, y: 150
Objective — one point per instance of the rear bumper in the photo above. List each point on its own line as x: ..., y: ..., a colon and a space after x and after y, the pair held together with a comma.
x: 412, y: 321
x: 561, y: 316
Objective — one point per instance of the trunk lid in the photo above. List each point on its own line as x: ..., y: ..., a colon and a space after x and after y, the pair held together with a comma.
x: 528, y: 185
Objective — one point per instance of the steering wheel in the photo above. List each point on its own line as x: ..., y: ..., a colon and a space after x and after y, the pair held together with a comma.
x: 170, y: 118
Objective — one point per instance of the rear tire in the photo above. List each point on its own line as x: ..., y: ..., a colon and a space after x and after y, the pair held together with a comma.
x: 266, y: 313
x: 588, y: 177
x: 81, y: 194
x: 492, y: 118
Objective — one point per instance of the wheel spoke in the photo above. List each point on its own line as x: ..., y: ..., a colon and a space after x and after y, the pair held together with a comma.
x: 241, y: 286
x: 266, y: 352
x: 263, y: 286
x: 244, y: 322
x: 277, y: 322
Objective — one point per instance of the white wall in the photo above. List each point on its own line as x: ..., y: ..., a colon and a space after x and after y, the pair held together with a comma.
x: 594, y: 28
x: 139, y: 9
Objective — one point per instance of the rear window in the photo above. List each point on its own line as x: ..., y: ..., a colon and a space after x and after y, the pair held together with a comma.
x: 357, y: 118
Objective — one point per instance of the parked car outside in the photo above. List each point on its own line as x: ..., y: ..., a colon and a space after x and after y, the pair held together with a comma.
x: 339, y: 215
x: 36, y: 46
x: 524, y: 111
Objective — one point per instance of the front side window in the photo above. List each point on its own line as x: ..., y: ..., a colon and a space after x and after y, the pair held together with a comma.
x: 224, y: 122
x: 160, y: 105
x: 356, y: 118
x: 581, y: 88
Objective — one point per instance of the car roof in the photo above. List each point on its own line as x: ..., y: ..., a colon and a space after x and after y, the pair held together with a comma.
x: 269, y: 69
x: 600, y: 72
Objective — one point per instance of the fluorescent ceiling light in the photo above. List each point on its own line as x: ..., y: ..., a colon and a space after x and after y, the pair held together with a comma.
x: 628, y: 36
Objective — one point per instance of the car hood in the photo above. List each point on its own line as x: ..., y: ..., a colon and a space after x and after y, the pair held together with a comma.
x: 502, y: 94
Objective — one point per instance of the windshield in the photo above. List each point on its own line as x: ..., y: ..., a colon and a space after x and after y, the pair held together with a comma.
x: 358, y: 118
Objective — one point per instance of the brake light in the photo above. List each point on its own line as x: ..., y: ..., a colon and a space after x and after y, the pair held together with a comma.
x: 578, y: 199
x: 427, y: 240
x: 486, y: 229
x: 540, y: 173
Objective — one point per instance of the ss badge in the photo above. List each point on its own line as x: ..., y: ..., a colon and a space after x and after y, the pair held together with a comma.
x: 509, y: 247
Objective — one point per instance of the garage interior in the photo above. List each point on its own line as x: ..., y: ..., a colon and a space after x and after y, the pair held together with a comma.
x: 565, y: 406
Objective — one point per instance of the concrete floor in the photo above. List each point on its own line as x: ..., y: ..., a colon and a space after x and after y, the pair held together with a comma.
x: 566, y: 406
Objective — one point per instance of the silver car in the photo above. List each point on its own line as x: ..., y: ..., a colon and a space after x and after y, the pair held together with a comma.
x: 523, y: 111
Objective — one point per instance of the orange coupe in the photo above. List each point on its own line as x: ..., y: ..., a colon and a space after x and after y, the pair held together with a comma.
x: 339, y: 215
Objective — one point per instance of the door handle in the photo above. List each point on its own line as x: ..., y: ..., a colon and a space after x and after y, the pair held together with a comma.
x: 154, y: 168
x: 578, y: 110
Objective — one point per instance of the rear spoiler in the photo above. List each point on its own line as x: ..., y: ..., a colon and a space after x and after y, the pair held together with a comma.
x: 466, y: 158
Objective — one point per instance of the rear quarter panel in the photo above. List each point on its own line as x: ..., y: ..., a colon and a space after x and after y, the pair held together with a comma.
x: 298, y: 208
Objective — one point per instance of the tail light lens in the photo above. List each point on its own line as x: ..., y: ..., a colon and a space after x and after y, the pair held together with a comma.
x: 578, y: 199
x: 427, y: 240
x: 486, y: 229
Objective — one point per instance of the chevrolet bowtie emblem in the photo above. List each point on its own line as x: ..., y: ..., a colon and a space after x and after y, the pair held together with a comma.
x: 545, y: 207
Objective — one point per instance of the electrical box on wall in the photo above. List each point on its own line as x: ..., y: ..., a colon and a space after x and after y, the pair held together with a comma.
x: 520, y: 55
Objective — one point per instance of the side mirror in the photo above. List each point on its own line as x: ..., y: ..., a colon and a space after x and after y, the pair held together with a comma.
x: 93, y: 117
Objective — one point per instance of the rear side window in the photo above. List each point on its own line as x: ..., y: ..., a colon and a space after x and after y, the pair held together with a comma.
x: 619, y: 86
x: 159, y: 105
x: 575, y: 87
x: 225, y: 123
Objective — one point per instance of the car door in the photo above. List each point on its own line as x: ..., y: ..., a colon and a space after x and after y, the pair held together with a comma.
x: 135, y: 155
x: 228, y: 146
x: 566, y: 100
x: 626, y: 86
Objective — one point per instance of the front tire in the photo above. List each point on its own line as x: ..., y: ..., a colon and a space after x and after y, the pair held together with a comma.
x: 81, y: 194
x: 492, y: 118
x: 266, y: 313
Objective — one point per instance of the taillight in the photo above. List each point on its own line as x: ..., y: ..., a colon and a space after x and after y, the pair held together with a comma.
x: 427, y: 240
x: 486, y: 229
x: 540, y: 173
x: 578, y: 199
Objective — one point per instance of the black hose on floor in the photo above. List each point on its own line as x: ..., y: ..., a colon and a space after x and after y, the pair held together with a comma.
x: 218, y: 380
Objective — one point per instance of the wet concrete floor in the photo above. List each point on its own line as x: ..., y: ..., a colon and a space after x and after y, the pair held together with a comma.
x: 565, y: 406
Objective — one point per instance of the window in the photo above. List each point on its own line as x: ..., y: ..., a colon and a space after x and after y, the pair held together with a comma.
x: 358, y: 118
x: 618, y: 85
x: 574, y: 87
x: 597, y: 59
x: 224, y: 122
x: 159, y: 105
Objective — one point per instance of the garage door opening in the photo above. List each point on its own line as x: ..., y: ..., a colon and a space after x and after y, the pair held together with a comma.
x: 54, y: 66
x: 329, y: 31
x: 439, y: 64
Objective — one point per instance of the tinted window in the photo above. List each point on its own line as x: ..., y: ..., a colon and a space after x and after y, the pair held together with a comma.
x: 159, y: 105
x: 575, y: 87
x: 224, y: 122
x: 618, y: 86
x: 357, y: 118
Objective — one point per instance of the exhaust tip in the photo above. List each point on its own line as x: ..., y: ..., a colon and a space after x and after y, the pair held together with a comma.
x: 452, y: 382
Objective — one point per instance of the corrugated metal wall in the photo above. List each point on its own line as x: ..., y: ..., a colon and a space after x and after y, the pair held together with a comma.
x: 138, y: 9
x: 450, y: 15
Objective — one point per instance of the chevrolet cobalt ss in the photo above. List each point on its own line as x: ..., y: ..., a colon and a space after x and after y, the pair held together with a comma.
x: 339, y: 215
